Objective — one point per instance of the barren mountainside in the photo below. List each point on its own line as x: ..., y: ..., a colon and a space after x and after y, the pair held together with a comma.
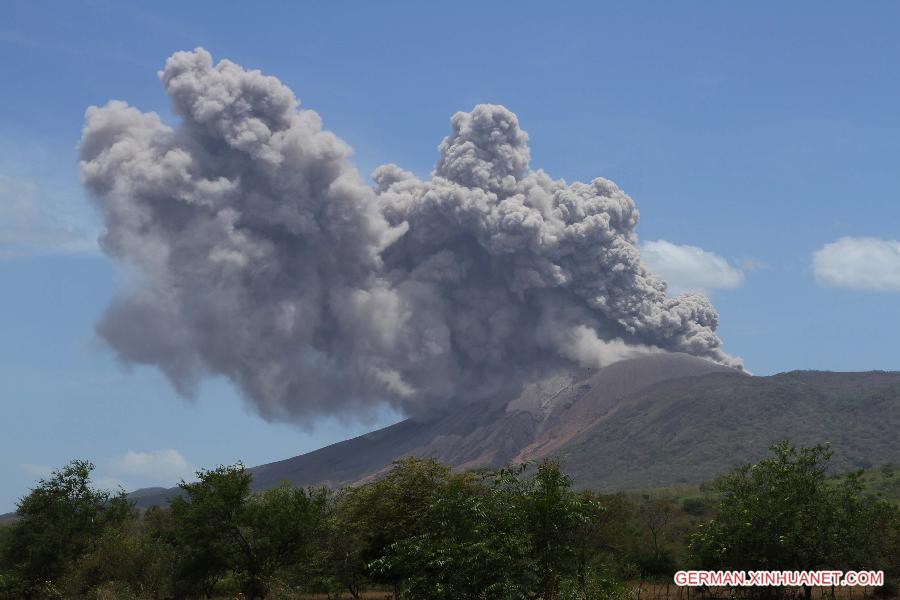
x: 658, y: 420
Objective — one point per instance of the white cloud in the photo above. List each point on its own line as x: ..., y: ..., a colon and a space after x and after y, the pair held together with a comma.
x: 858, y: 263
x: 688, y: 268
x: 143, y: 469
x: 30, y: 225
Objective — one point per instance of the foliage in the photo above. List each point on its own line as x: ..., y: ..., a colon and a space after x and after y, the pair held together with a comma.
x: 463, y: 539
x: 286, y: 528
x: 553, y: 515
x: 783, y: 513
x: 423, y: 530
x: 341, y: 564
x: 210, y: 528
x: 128, y: 560
x: 655, y: 516
x: 503, y: 535
x: 221, y: 528
x: 57, y: 523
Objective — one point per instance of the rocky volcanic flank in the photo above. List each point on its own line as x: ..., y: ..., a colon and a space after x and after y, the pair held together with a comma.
x: 661, y: 419
x: 542, y: 420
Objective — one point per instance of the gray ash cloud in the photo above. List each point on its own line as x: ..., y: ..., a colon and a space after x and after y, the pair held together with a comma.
x: 258, y: 252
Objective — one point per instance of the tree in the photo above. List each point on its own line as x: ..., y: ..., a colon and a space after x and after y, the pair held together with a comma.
x: 509, y: 534
x: 603, y: 541
x: 345, y: 544
x: 782, y: 513
x: 57, y: 522
x: 391, y: 509
x: 221, y: 527
x: 553, y: 515
x: 210, y: 530
x: 127, y: 557
x: 865, y: 531
x: 285, y: 527
x: 656, y: 515
x: 460, y: 538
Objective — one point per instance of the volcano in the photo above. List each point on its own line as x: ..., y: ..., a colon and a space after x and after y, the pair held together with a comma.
x: 658, y: 420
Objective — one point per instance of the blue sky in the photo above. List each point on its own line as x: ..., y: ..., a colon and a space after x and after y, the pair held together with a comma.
x: 760, y: 141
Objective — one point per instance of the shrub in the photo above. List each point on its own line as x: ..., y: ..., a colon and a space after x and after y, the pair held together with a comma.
x: 58, y: 522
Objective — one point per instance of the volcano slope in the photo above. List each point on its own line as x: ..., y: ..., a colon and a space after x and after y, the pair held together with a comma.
x: 658, y: 420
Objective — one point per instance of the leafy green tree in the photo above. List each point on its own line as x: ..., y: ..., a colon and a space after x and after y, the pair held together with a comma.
x: 466, y: 541
x: 221, y: 528
x: 553, y: 515
x: 285, y: 527
x: 603, y: 541
x: 396, y: 505
x: 784, y: 514
x: 210, y: 530
x: 57, y: 523
x: 865, y: 530
x: 344, y: 547
x: 127, y: 557
x: 159, y: 528
x: 510, y: 534
x: 390, y: 509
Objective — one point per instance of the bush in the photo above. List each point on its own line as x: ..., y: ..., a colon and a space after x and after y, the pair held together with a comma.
x: 783, y: 513
x: 126, y: 559
x: 58, y: 523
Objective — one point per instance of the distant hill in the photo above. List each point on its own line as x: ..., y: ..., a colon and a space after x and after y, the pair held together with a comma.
x: 659, y: 420
x: 691, y: 430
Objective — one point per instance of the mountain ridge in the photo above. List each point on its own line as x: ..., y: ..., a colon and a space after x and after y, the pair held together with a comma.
x: 657, y: 420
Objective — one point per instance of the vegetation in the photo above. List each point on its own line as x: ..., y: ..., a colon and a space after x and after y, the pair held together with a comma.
x: 784, y: 514
x: 696, y: 428
x: 60, y: 521
x: 423, y: 531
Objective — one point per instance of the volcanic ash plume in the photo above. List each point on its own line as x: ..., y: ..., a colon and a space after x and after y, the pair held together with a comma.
x: 258, y: 252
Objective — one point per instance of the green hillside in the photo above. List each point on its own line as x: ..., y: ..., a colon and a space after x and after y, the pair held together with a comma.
x: 689, y: 430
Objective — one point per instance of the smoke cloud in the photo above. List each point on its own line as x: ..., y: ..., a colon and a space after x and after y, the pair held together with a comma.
x: 259, y: 253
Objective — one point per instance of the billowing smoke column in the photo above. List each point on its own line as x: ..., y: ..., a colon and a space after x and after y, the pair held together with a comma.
x: 259, y: 253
